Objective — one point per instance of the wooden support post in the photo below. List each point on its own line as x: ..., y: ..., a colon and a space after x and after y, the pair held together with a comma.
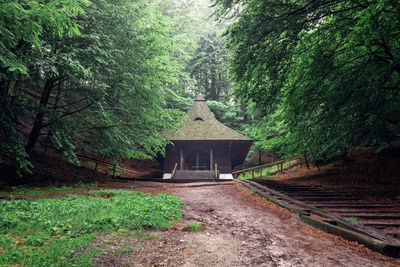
x: 114, y: 171
x: 252, y: 174
x: 281, y: 167
x: 181, y: 159
x: 211, y: 159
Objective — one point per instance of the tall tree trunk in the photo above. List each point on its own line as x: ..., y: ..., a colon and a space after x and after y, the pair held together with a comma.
x: 206, y: 87
x: 37, y: 124
x: 213, y: 89
x: 305, y: 158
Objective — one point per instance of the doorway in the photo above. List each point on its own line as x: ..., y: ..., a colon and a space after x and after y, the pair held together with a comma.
x: 197, y: 160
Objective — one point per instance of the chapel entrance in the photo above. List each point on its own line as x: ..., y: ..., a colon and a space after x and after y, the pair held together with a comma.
x: 197, y: 160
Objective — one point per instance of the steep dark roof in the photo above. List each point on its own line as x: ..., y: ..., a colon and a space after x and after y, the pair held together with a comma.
x: 202, y: 125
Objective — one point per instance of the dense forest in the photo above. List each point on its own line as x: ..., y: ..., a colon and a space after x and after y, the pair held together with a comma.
x: 106, y: 77
x: 319, y: 77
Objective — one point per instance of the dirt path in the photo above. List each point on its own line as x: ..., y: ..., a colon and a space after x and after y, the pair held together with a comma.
x: 240, y: 229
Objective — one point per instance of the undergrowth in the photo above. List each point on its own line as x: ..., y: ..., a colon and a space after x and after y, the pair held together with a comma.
x: 47, y: 191
x: 352, y: 219
x: 57, y: 231
x: 265, y: 172
x: 195, y: 226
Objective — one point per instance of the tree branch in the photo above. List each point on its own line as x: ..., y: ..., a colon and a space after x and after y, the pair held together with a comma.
x: 76, y: 111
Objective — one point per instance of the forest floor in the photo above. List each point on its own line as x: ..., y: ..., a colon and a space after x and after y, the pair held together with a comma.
x: 366, y: 175
x: 239, y: 228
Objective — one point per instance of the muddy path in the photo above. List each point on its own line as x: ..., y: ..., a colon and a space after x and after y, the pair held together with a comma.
x: 240, y: 229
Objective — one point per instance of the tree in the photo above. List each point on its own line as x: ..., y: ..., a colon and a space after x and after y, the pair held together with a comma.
x: 202, y: 59
x: 208, y: 66
x: 22, y: 26
x: 100, y: 91
x: 325, y: 73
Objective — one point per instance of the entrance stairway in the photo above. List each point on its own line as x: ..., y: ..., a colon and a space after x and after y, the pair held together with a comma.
x: 195, y: 175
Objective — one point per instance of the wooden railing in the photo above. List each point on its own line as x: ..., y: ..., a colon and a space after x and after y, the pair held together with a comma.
x: 259, y: 169
x: 107, y: 166
x: 216, y: 171
x: 174, y: 171
x: 97, y: 165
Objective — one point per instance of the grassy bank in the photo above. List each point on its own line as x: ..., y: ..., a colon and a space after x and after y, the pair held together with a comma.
x: 58, y: 231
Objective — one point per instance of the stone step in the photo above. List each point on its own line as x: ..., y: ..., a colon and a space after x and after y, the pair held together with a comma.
x: 194, y: 175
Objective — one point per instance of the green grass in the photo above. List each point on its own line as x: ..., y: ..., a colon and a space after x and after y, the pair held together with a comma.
x: 195, y: 226
x: 46, y: 191
x: 265, y: 172
x: 352, y: 219
x: 57, y: 231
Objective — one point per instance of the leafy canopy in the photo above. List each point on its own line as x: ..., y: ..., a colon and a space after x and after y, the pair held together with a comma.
x: 87, y: 77
x: 319, y: 76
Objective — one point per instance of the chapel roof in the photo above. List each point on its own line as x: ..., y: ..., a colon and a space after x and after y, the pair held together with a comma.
x: 201, y: 124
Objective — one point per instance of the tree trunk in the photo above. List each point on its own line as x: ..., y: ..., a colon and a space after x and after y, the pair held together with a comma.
x: 213, y: 89
x: 206, y: 87
x: 305, y: 158
x: 37, y: 125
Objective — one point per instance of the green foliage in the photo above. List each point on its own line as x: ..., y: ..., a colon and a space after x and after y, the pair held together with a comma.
x: 352, y: 219
x: 319, y: 77
x: 101, y: 88
x: 25, y: 22
x: 195, y: 226
x: 203, y: 60
x: 265, y: 172
x: 208, y: 66
x: 228, y: 113
x: 48, y: 191
x: 50, y: 231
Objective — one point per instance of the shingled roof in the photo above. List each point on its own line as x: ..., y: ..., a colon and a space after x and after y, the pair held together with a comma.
x: 202, y: 125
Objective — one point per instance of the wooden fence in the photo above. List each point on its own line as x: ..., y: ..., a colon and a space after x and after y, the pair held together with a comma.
x: 259, y: 169
x: 100, y: 166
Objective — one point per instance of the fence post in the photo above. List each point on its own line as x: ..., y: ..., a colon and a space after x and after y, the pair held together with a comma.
x: 281, y: 167
x: 252, y: 174
x: 95, y: 166
x: 114, y: 171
